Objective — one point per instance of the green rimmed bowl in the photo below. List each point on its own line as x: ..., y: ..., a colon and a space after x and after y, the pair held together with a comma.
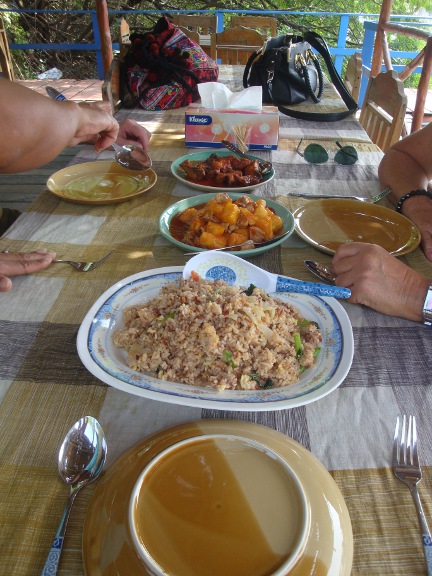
x: 166, y: 217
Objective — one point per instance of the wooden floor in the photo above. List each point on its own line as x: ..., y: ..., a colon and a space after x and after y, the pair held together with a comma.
x: 77, y: 90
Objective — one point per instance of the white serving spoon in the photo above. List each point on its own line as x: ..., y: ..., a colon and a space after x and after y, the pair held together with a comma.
x: 234, y: 270
x: 80, y: 461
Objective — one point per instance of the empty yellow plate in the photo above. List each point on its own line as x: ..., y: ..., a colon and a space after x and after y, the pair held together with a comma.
x: 330, y: 222
x: 103, y: 182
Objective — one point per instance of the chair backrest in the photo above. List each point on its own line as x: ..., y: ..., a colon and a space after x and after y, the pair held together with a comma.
x: 204, y: 26
x: 190, y: 34
x: 264, y: 24
x: 235, y: 45
x: 353, y: 75
x: 384, y: 107
x: 6, y: 67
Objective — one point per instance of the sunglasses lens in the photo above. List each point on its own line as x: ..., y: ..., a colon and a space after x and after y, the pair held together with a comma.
x: 315, y: 154
x: 347, y: 155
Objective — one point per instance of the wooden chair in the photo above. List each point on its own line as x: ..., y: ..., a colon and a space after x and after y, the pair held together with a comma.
x: 353, y: 75
x: 6, y: 67
x: 235, y: 45
x: 264, y: 24
x: 383, y: 111
x: 204, y: 26
x: 190, y: 34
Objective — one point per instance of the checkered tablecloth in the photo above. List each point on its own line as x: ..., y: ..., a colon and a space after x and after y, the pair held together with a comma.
x: 44, y: 388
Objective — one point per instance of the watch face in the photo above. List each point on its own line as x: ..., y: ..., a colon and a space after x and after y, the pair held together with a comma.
x: 427, y: 308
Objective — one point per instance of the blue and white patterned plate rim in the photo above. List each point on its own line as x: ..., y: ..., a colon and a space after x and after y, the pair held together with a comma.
x: 108, y: 363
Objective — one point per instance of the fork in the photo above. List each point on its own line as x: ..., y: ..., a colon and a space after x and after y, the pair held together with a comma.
x: 406, y: 467
x: 84, y: 266
x: 370, y: 200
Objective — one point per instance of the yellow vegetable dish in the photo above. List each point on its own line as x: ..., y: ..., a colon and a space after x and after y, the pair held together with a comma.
x: 223, y: 222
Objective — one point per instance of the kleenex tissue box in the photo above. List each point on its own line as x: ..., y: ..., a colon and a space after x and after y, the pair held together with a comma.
x: 254, y: 129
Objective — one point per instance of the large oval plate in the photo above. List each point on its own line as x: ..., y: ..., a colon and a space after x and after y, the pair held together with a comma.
x: 140, y: 182
x: 168, y: 214
x: 181, y: 175
x: 108, y: 363
x: 330, y: 222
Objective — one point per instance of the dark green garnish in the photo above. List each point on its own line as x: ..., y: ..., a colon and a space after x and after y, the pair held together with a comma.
x: 317, y: 351
x: 302, y: 369
x: 255, y: 377
x: 228, y: 359
x: 268, y: 384
x: 250, y: 290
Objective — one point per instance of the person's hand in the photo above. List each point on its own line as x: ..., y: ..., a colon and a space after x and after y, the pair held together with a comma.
x: 95, y: 125
x: 379, y: 280
x: 17, y: 263
x: 419, y: 210
x: 130, y: 132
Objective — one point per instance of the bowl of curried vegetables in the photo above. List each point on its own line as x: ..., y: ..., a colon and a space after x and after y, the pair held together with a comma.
x: 244, y: 224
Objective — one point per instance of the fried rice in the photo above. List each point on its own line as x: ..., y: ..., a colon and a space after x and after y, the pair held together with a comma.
x: 211, y: 334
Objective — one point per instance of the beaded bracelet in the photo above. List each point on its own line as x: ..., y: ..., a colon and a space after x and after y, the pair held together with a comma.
x: 410, y: 195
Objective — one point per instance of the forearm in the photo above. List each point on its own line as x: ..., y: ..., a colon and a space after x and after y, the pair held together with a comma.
x: 35, y: 129
x: 402, y: 173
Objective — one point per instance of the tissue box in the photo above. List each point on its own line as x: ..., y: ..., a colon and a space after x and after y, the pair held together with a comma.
x: 258, y: 129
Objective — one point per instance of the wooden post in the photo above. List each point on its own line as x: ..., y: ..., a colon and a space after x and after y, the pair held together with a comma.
x: 422, y: 88
x: 379, y: 38
x: 105, y: 34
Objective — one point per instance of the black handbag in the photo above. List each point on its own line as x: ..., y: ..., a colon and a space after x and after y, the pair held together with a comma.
x: 289, y: 72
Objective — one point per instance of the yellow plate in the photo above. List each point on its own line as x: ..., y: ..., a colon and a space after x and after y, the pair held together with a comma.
x: 103, y: 182
x: 328, y: 223
x: 107, y: 543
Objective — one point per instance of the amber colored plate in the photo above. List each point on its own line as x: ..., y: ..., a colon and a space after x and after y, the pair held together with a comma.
x: 107, y: 543
x: 138, y: 182
x: 328, y: 223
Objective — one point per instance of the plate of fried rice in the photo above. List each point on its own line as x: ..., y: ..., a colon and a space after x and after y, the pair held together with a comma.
x: 211, y: 345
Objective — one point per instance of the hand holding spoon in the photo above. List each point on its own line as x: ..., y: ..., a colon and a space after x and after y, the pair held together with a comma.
x: 132, y: 157
x: 81, y: 459
x: 213, y: 265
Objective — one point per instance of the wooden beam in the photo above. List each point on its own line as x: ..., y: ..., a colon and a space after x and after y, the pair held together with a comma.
x: 422, y: 88
x: 105, y: 34
x: 411, y: 66
x: 379, y: 37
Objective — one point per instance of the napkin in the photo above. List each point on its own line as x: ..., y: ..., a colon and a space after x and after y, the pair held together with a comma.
x: 215, y: 95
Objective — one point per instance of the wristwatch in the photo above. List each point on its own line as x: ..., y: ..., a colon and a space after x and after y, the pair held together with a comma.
x: 427, y: 308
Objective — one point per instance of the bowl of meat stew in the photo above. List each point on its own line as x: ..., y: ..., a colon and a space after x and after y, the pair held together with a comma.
x: 225, y: 219
x: 220, y: 171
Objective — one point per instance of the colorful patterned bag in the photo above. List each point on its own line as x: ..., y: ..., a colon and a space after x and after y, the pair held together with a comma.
x: 163, y: 68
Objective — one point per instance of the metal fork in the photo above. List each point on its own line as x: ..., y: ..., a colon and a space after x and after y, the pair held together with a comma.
x: 406, y: 467
x: 84, y: 266
x: 371, y: 199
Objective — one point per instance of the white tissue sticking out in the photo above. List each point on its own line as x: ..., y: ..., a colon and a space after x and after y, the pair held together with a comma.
x: 216, y: 96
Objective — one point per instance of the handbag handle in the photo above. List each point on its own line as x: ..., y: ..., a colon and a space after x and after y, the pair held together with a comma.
x: 320, y: 45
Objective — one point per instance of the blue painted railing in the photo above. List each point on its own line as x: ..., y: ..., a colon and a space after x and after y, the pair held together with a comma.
x: 340, y: 51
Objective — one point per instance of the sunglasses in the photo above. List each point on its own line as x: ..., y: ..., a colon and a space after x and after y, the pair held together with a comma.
x: 317, y: 154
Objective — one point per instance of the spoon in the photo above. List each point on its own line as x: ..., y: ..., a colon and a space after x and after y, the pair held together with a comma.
x: 80, y: 461
x: 132, y: 157
x: 265, y: 166
x: 234, y: 270
x: 321, y: 271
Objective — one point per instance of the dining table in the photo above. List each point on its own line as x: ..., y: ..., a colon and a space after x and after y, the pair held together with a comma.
x: 45, y: 388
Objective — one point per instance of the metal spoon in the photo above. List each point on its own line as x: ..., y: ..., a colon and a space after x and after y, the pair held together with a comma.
x: 214, y: 265
x: 81, y: 459
x: 132, y: 157
x: 321, y: 271
x: 265, y: 166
